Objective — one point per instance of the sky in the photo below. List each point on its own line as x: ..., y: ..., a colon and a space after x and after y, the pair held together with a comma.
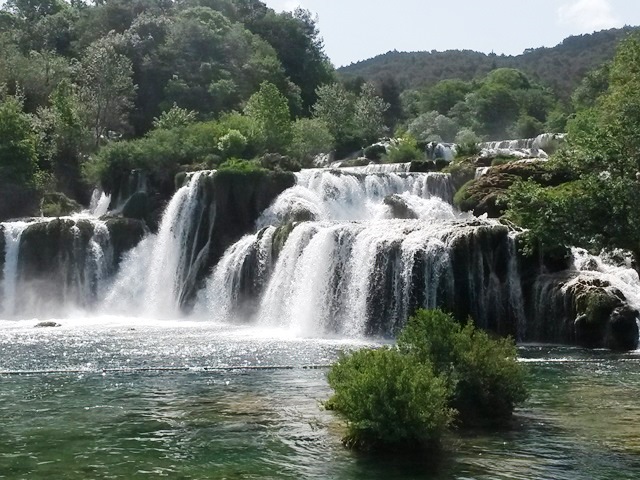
x: 355, y: 30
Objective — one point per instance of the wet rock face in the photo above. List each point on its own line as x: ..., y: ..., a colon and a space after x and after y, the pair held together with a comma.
x: 232, y: 203
x: 125, y: 233
x: 621, y: 332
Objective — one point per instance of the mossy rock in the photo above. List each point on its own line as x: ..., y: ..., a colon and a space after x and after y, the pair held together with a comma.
x: 603, y: 318
x: 462, y: 170
x: 399, y: 207
x: 125, y: 233
x: 280, y: 238
x: 423, y: 166
x: 56, y: 204
x: 487, y: 194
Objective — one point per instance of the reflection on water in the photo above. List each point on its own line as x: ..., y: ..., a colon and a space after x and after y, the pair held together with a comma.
x: 137, y: 421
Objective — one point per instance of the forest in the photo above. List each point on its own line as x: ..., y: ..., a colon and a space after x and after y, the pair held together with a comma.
x: 92, y: 90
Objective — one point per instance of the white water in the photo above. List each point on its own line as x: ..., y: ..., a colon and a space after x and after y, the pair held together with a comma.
x: 329, y: 268
x: 150, y: 280
x: 12, y: 233
x: 99, y: 205
x: 322, y: 194
x: 620, y: 274
x: 346, y: 267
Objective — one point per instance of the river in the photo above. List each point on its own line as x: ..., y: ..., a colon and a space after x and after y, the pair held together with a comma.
x: 119, y: 398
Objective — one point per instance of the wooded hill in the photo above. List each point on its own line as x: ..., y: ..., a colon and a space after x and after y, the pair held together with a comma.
x: 561, y: 67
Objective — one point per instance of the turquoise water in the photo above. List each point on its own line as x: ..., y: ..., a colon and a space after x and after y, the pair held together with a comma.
x: 119, y: 399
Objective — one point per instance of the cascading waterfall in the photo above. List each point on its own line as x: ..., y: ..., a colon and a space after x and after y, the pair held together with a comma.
x: 351, y: 267
x: 151, y: 279
x: 53, y: 265
x: 346, y: 252
x: 12, y: 234
x: 351, y: 196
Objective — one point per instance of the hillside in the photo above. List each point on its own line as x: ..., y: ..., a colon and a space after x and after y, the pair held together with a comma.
x: 560, y: 67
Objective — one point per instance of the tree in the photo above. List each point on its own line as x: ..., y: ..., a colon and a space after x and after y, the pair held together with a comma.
x: 336, y: 108
x: 444, y: 95
x: 368, y: 118
x: 310, y: 137
x: 598, y: 210
x: 107, y: 88
x: 270, y: 110
x: 18, y: 157
x: 406, y: 396
x: 432, y: 126
x: 297, y: 42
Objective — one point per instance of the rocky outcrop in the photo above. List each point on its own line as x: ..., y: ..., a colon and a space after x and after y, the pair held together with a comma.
x: 65, y: 261
x: 124, y: 234
x: 486, y: 194
x: 573, y: 308
x: 55, y: 204
x: 232, y: 203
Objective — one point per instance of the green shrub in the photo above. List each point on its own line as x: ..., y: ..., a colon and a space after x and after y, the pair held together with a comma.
x: 374, y: 152
x: 232, y: 144
x: 389, y: 400
x: 405, y: 150
x: 486, y: 379
x: 407, y: 396
x: 241, y: 166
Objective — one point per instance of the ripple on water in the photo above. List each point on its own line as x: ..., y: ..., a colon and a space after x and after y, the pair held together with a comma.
x: 190, y: 422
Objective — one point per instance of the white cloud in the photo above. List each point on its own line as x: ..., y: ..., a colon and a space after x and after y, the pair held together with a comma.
x: 588, y: 14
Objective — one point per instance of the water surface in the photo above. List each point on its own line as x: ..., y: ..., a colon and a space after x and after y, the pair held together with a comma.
x: 114, y: 398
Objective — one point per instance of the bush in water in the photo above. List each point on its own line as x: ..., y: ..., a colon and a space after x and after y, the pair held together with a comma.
x: 484, y: 376
x: 389, y: 400
x: 406, y: 396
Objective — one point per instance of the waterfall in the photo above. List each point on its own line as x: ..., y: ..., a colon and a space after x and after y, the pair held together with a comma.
x: 53, y: 265
x: 365, y: 278
x: 152, y: 278
x: 322, y: 194
x: 354, y: 254
x: 99, y: 205
x: 12, y: 233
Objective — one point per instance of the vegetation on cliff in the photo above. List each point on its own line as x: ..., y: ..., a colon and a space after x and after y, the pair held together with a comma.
x: 597, y: 210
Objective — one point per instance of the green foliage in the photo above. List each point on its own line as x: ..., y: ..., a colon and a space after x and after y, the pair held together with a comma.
x: 442, y: 96
x: 433, y: 127
x: 486, y: 379
x: 174, y: 117
x: 561, y: 67
x: 241, y: 166
x: 107, y: 88
x: 270, y: 111
x: 389, y: 400
x: 405, y: 149
x: 374, y: 152
x: 336, y: 108
x: 310, y: 137
x: 369, y: 115
x: 232, y: 144
x: 467, y: 143
x: 18, y: 158
x: 597, y: 210
x: 407, y: 396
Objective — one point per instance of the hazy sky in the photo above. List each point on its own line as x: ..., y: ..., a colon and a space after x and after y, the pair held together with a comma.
x: 355, y: 30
